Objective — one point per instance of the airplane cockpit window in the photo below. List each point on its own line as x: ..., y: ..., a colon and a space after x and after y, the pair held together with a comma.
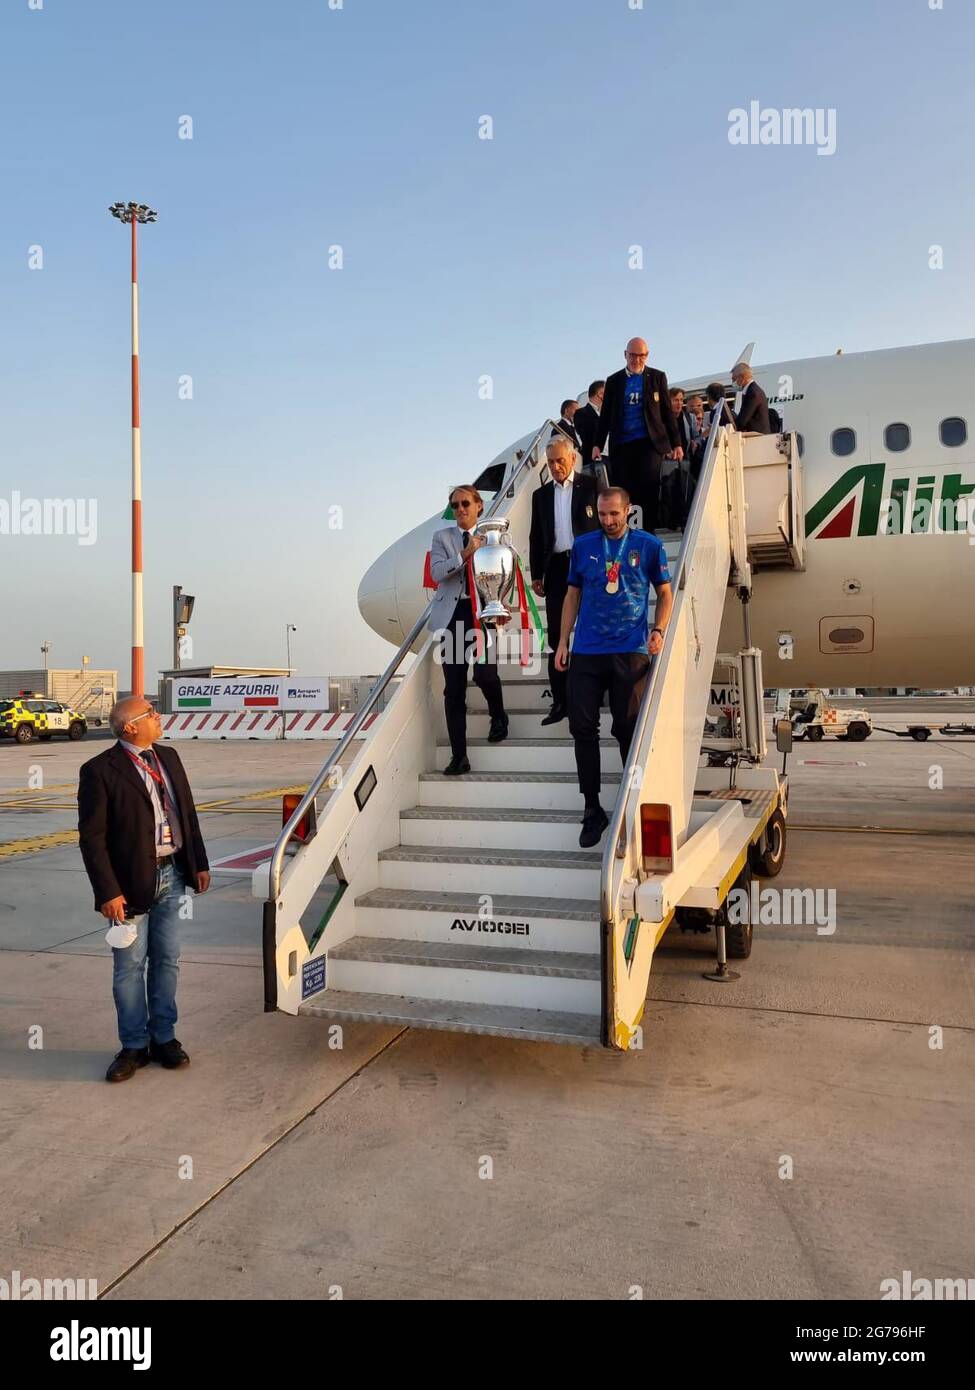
x: 953, y: 432
x: 492, y: 478
x: 897, y: 437
x: 843, y: 441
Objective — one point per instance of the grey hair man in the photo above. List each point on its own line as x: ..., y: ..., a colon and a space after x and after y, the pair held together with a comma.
x: 561, y: 510
x: 142, y: 848
x: 752, y: 414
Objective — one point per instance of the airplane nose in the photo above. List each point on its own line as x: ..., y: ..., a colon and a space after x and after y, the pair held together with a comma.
x: 377, y: 598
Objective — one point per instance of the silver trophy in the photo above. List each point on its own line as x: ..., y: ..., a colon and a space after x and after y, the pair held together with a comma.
x: 494, y: 571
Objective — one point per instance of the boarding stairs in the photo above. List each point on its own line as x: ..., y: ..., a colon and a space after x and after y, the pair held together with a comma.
x: 465, y: 903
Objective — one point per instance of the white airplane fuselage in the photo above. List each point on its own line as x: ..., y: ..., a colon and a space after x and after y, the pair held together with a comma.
x: 890, y: 548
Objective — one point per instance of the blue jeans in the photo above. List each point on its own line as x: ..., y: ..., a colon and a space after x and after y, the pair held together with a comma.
x: 146, y: 1001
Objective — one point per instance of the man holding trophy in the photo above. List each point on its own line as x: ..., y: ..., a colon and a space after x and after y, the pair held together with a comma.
x: 609, y: 579
x: 452, y: 616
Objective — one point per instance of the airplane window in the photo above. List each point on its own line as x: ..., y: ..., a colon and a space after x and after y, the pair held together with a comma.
x: 491, y: 479
x: 843, y: 441
x: 953, y: 431
x: 897, y: 438
x: 801, y: 442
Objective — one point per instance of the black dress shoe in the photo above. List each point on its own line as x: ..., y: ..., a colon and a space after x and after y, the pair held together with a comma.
x: 456, y: 767
x: 169, y: 1053
x: 127, y: 1063
x: 499, y: 730
x: 555, y: 715
x: 594, y: 822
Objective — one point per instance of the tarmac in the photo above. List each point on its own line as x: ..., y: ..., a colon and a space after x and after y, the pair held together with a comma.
x: 803, y: 1132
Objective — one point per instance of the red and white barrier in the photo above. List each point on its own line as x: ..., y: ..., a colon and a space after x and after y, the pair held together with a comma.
x: 260, y: 724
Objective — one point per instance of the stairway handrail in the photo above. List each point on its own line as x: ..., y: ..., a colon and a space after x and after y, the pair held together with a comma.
x: 691, y: 529
x: 525, y: 464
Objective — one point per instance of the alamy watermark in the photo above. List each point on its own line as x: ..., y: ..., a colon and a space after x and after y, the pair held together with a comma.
x: 793, y: 125
x: 788, y: 907
x: 24, y: 1288
x: 913, y: 1289
x: 49, y: 516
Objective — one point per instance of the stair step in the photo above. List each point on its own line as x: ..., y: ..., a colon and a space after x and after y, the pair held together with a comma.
x: 518, y: 922
x: 515, y: 743
x: 455, y: 1016
x: 515, y: 778
x: 490, y: 813
x: 468, y: 904
x: 510, y: 790
x: 526, y: 754
x: 469, y: 971
x: 489, y: 827
x: 470, y: 955
x: 446, y: 867
x: 523, y: 725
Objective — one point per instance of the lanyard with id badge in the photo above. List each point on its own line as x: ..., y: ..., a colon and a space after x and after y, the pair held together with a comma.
x: 164, y: 830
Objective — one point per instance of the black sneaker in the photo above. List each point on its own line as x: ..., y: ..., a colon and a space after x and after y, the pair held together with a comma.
x: 499, y: 730
x: 127, y: 1063
x: 555, y: 715
x: 457, y: 767
x: 170, y: 1054
x: 594, y: 822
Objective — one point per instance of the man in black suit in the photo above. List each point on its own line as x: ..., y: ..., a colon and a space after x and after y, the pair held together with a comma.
x: 637, y: 418
x: 141, y: 845
x: 586, y: 421
x: 567, y: 412
x: 561, y: 510
x: 753, y: 412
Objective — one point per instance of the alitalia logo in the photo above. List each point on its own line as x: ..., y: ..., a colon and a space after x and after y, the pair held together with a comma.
x: 876, y: 499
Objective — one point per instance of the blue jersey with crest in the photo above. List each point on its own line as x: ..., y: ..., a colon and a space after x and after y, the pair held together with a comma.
x: 609, y: 623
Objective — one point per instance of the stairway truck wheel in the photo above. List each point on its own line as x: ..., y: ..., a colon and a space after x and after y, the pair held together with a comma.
x: 737, y: 914
x: 767, y: 857
x: 858, y: 731
x: 814, y: 733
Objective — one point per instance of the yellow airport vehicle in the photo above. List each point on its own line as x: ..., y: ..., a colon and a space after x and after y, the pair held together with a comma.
x: 29, y: 717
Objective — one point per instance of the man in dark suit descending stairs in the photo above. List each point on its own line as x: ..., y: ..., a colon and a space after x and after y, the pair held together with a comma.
x: 561, y: 510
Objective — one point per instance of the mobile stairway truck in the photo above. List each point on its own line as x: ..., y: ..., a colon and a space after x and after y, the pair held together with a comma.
x: 465, y: 903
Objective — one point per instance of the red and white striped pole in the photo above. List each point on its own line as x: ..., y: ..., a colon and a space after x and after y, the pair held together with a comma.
x: 135, y: 213
x: 138, y: 637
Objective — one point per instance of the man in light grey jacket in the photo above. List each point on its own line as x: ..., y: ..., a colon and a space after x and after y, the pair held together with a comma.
x: 452, y: 617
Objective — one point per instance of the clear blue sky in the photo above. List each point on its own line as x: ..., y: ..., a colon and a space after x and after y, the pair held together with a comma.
x: 358, y: 388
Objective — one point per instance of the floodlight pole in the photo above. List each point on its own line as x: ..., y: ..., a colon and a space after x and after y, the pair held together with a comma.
x: 134, y: 213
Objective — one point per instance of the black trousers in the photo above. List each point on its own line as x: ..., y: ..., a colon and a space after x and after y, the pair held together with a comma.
x: 624, y: 675
x: 457, y: 650
x: 636, y: 466
x: 556, y: 573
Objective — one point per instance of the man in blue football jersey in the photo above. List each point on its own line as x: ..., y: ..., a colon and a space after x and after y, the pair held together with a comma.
x: 607, y: 602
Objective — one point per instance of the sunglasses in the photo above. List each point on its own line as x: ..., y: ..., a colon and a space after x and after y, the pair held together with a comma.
x: 465, y: 503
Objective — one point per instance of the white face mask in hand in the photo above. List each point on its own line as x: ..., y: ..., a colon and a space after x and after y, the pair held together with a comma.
x: 123, y: 933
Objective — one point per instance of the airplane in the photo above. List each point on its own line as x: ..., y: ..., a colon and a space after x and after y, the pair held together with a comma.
x: 884, y: 597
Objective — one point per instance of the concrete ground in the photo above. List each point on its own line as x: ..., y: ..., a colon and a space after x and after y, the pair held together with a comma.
x: 803, y: 1132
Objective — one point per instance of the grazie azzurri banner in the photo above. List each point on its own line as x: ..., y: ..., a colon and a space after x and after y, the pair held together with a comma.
x: 249, y: 692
